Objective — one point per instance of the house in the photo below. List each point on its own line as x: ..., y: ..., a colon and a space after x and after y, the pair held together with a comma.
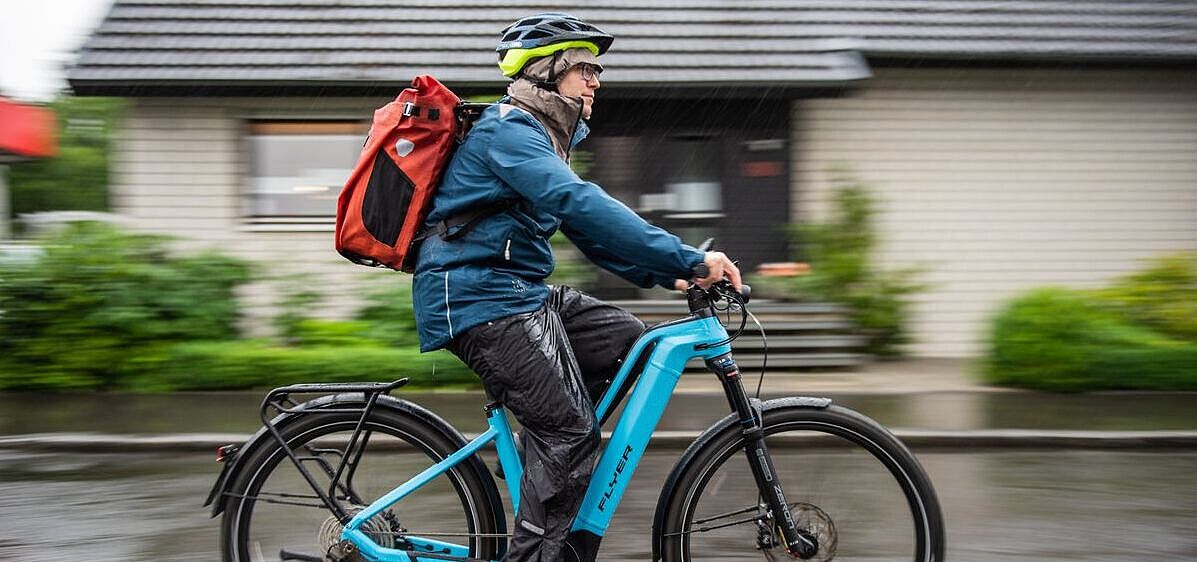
x: 1013, y: 144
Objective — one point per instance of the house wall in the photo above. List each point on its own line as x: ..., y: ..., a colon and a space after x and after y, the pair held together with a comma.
x: 179, y: 169
x: 997, y: 180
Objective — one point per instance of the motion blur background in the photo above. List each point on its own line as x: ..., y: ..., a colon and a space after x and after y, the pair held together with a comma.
x: 960, y: 195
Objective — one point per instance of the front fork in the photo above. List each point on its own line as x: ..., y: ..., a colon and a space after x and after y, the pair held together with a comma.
x: 799, y: 543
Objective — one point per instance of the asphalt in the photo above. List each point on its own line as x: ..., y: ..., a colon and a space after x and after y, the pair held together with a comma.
x: 921, y: 376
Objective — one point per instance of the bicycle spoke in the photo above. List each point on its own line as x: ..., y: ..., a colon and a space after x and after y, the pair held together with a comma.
x: 261, y: 497
x: 713, y: 527
x: 728, y: 514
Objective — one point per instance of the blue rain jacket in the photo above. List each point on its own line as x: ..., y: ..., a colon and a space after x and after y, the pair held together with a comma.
x: 498, y: 268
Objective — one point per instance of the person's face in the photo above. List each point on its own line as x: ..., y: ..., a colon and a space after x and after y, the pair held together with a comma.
x: 580, y: 81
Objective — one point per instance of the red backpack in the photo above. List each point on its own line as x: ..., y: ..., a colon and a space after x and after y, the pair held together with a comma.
x: 381, y: 209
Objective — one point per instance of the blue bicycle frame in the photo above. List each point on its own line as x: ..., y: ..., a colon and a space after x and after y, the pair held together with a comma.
x: 670, y: 347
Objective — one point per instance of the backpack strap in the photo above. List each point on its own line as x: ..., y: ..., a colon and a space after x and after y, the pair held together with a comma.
x: 458, y: 225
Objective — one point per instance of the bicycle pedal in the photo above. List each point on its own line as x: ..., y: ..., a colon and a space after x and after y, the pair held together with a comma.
x: 288, y: 555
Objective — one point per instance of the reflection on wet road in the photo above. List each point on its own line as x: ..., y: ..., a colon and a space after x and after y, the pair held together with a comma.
x: 236, y: 412
x: 1000, y: 506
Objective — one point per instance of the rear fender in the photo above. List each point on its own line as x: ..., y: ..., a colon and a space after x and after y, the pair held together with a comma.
x: 262, y: 438
x: 729, y: 423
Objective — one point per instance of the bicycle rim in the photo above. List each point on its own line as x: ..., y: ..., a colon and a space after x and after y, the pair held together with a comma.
x: 848, y: 482
x: 273, y: 508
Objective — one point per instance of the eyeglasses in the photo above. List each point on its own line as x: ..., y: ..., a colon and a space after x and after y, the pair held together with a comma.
x: 588, y: 71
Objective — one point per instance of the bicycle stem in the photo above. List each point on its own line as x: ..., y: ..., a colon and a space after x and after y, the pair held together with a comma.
x: 798, y: 543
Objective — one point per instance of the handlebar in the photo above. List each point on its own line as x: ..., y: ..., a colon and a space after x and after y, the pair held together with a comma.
x: 723, y: 289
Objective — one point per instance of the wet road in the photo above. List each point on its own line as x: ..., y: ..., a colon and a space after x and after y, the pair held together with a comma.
x: 236, y: 412
x: 1000, y: 506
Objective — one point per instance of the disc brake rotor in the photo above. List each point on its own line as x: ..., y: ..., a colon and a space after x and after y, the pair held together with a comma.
x: 816, y: 522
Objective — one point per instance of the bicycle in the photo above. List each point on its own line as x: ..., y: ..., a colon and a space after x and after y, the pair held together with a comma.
x: 857, y: 491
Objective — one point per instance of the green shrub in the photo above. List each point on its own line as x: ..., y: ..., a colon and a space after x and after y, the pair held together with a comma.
x: 95, y: 299
x: 841, y: 254
x: 98, y: 308
x: 1070, y: 340
x: 317, y: 332
x: 389, y: 315
x: 1162, y: 297
x: 259, y: 364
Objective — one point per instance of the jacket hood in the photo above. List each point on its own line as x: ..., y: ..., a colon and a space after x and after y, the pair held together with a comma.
x: 559, y: 114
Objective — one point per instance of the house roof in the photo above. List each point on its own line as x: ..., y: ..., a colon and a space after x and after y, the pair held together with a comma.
x: 162, y: 43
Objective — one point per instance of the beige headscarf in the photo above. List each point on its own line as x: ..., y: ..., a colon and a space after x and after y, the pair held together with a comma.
x: 559, y: 114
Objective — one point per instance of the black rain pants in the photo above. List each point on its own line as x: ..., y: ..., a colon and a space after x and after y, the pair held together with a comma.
x: 549, y: 368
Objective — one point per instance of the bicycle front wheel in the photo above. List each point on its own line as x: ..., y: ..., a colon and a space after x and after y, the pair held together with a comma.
x: 849, y: 483
x: 272, y: 513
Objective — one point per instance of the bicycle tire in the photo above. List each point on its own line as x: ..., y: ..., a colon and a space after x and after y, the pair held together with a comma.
x: 262, y: 515
x: 847, y: 478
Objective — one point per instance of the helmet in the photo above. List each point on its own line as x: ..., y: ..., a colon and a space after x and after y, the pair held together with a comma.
x: 545, y: 34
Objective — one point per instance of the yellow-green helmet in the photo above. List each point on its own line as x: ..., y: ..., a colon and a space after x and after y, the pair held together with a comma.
x: 544, y: 34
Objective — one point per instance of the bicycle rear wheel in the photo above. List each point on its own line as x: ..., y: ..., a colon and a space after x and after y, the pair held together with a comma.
x: 849, y: 482
x: 270, y: 508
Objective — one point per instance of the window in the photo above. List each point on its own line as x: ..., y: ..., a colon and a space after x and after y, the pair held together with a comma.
x: 297, y: 168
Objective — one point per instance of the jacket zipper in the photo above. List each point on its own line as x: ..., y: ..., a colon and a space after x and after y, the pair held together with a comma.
x: 507, y: 251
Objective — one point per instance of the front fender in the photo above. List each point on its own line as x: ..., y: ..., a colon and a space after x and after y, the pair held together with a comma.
x: 728, y: 423
x: 262, y: 437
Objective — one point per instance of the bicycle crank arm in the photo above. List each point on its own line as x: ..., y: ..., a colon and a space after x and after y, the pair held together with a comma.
x: 288, y: 555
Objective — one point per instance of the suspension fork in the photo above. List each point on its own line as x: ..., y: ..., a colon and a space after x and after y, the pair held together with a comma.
x: 799, y: 543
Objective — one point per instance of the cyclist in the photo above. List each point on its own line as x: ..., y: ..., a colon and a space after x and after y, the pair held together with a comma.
x: 543, y: 352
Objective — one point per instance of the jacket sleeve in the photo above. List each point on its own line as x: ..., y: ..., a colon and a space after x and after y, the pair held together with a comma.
x: 613, y: 262
x: 606, y: 230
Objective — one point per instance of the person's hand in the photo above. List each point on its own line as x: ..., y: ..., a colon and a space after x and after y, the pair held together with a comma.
x: 718, y: 267
x: 725, y: 268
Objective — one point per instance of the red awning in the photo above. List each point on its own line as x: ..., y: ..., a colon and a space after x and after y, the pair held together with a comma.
x: 25, y: 131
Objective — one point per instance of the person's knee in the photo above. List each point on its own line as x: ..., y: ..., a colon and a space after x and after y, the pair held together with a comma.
x: 632, y: 329
x: 584, y: 427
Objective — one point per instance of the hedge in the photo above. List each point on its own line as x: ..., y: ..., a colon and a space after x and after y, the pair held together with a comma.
x: 1136, y: 334
x: 243, y: 364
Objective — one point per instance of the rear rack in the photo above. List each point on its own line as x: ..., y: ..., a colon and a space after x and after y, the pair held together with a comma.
x: 280, y: 400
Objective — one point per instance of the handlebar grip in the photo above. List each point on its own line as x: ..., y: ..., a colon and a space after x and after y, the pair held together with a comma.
x: 701, y: 271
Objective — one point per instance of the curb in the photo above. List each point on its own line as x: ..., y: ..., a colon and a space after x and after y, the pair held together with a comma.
x: 921, y: 439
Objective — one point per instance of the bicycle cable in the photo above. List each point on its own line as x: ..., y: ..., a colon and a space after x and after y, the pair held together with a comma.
x: 765, y: 352
x: 732, y: 299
